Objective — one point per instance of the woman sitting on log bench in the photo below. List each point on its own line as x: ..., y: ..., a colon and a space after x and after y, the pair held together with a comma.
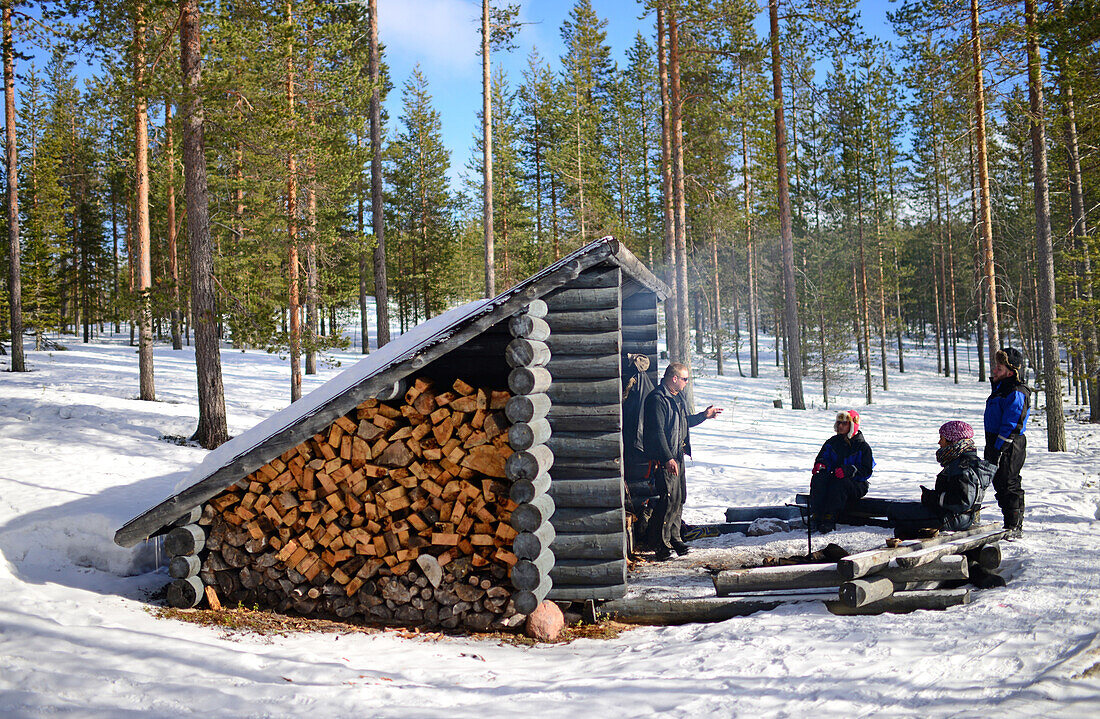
x: 840, y: 474
x: 956, y: 501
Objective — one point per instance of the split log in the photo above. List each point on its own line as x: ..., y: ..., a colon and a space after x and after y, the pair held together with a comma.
x: 529, y: 380
x: 904, y: 602
x: 526, y: 408
x: 186, y: 540
x: 860, y: 592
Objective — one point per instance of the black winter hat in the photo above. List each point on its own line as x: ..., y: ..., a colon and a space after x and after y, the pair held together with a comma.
x: 1010, y: 357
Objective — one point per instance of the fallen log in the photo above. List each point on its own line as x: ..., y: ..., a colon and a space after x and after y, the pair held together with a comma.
x: 811, y: 576
x: 664, y: 612
x: 860, y: 592
x: 873, y: 560
x: 749, y: 514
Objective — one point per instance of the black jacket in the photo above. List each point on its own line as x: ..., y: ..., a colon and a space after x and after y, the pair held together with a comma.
x: 854, y: 455
x: 665, y: 425
x: 960, y: 488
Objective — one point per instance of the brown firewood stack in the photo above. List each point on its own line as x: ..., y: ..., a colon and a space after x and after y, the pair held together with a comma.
x: 397, y: 514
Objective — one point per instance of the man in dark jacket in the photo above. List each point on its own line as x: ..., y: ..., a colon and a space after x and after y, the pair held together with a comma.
x: 665, y: 439
x: 1006, y: 414
x: 955, y: 502
x: 841, y: 471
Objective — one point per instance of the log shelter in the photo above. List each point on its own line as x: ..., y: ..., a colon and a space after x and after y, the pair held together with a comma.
x: 554, y: 346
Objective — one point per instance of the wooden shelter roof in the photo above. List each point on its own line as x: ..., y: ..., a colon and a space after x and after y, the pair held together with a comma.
x: 377, y: 375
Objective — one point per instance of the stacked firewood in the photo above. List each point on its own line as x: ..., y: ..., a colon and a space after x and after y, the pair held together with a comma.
x: 399, y: 513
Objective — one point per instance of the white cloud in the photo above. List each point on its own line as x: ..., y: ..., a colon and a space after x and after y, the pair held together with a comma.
x: 441, y: 35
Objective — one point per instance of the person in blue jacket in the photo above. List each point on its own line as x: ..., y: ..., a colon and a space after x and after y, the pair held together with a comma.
x: 840, y: 473
x: 1006, y: 414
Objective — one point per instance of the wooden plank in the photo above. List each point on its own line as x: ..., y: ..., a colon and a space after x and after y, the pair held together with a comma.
x: 589, y: 546
x: 587, y: 492
x: 589, y: 572
x: 905, y: 602
x: 589, y: 520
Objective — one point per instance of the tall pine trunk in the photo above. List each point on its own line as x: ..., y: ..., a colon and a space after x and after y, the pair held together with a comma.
x: 294, y: 310
x: 679, y: 214
x: 141, y: 209
x: 986, y: 228
x: 211, y: 430
x: 671, y: 317
x: 378, y: 220
x: 1047, y: 304
x: 750, y: 249
x: 487, y: 153
x: 786, y: 232
x: 15, y: 297
x: 173, y: 257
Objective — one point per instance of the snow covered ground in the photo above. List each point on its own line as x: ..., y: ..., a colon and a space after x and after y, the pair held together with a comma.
x: 79, y: 455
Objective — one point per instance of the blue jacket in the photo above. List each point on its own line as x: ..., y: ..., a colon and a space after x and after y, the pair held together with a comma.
x: 853, y: 454
x: 1006, y: 412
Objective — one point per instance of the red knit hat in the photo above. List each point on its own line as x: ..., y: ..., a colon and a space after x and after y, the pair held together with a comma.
x: 850, y: 416
x: 956, y: 430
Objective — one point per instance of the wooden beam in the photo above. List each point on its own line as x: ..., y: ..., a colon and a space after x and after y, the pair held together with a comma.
x: 571, y: 299
x: 589, y: 546
x: 904, y: 602
x: 587, y: 492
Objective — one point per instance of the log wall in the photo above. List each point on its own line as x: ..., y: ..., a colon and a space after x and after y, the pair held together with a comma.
x: 585, y: 416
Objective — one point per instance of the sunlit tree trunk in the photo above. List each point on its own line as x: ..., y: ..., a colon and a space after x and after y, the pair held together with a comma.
x: 986, y: 226
x: 15, y: 297
x: 141, y: 209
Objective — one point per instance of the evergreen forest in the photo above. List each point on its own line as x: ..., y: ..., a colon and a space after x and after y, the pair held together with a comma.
x: 227, y: 176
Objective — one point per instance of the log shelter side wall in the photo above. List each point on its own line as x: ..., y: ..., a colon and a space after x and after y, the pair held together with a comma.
x: 590, y: 546
x: 640, y: 334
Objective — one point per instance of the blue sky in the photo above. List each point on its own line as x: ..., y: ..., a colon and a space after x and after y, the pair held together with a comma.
x: 442, y: 36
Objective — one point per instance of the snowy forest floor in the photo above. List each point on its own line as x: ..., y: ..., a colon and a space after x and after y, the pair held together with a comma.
x: 80, y: 455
